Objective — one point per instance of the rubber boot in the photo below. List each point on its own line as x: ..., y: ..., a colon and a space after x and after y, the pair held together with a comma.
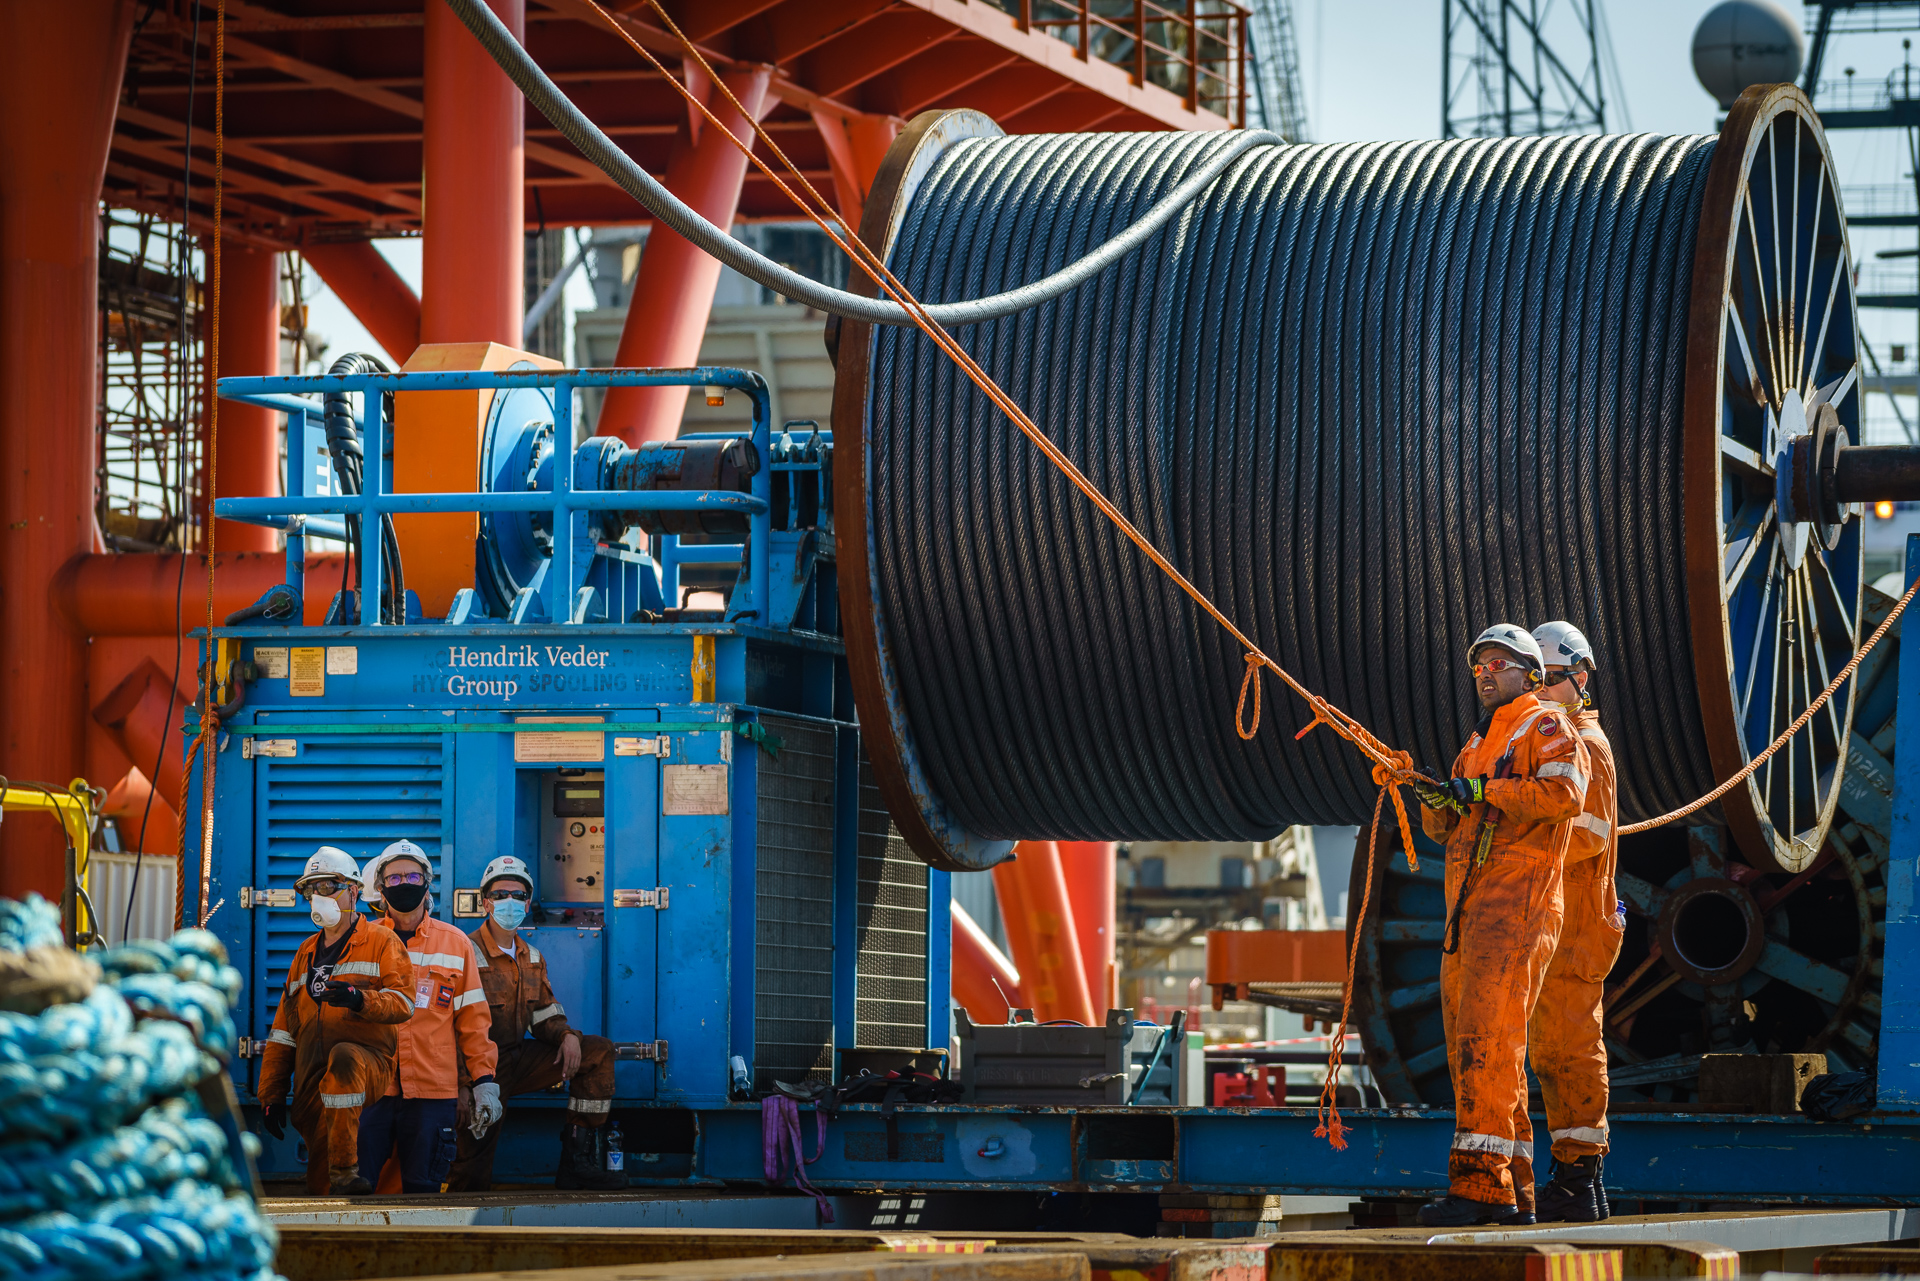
x: 583, y: 1161
x: 1572, y: 1195
x: 345, y: 1180
x: 1451, y: 1211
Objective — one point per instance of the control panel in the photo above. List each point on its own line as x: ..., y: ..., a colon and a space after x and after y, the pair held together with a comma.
x: 573, y: 836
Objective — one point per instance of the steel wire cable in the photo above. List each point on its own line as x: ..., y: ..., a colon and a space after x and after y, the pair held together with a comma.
x: 1369, y: 398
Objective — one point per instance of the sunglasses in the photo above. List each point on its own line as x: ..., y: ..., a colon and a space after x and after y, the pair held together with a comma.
x: 497, y: 895
x: 404, y: 878
x: 324, y: 889
x: 1493, y: 665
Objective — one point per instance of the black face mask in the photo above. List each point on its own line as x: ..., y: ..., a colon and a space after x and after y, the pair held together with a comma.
x: 403, y: 898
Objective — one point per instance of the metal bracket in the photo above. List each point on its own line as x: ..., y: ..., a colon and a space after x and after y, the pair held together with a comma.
x: 625, y: 746
x: 656, y: 898
x: 252, y: 746
x: 649, y: 1051
x: 252, y: 898
x: 249, y: 1048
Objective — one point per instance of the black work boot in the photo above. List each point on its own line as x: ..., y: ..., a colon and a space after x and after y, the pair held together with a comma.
x: 1452, y: 1211
x: 583, y: 1161
x: 1573, y: 1194
x: 346, y: 1180
x: 1600, y: 1187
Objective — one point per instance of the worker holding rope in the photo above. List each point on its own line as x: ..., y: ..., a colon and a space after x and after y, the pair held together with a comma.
x: 1504, y: 816
x: 1564, y: 1033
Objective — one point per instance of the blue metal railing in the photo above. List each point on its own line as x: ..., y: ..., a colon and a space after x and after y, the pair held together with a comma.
x: 296, y: 512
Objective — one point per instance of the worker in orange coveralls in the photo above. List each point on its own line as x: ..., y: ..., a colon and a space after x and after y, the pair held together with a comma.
x: 1564, y: 1034
x: 333, y: 1035
x: 427, y: 1100
x: 1504, y: 817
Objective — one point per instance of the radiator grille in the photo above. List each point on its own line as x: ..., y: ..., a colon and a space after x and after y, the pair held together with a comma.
x: 357, y: 793
x: 793, y: 906
x: 890, y: 1006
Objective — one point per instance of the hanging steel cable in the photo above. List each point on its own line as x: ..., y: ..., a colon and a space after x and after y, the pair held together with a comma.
x: 1370, y: 398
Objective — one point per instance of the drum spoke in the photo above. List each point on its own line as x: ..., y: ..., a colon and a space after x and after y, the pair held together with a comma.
x: 1760, y: 296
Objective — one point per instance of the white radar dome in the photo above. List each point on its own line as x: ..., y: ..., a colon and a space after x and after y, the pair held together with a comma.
x: 1746, y: 42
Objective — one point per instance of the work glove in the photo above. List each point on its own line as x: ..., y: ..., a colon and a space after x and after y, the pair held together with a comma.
x: 486, y: 1107
x: 273, y: 1117
x: 340, y: 994
x: 1435, y: 796
x: 1469, y: 791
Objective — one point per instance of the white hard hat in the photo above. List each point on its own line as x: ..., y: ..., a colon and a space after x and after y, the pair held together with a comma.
x: 1563, y: 645
x: 506, y: 865
x: 328, y: 862
x: 401, y: 848
x: 1515, y: 641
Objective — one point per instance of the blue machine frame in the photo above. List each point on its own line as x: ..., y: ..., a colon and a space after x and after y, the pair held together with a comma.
x: 675, y: 958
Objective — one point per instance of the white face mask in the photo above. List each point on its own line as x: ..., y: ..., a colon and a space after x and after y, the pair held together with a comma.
x: 325, y: 912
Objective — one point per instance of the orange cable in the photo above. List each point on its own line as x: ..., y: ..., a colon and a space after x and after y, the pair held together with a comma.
x: 218, y: 274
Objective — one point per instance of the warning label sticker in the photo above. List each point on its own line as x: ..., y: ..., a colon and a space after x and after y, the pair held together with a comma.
x: 306, y: 671
x: 693, y: 789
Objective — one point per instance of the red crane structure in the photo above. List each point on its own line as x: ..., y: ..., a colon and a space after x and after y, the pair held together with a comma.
x: 347, y: 121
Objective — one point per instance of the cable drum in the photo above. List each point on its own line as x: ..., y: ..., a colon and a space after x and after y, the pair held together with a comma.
x: 1369, y: 397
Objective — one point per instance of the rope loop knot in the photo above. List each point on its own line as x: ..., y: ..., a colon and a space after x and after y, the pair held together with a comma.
x: 1255, y: 661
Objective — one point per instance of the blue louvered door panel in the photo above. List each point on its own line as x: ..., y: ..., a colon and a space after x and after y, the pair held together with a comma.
x: 359, y: 792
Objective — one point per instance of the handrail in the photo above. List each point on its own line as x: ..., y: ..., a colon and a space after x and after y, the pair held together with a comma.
x: 287, y: 394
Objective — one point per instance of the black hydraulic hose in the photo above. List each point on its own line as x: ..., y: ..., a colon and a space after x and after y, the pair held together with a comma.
x: 1369, y: 397
x: 349, y: 464
x: 1210, y: 161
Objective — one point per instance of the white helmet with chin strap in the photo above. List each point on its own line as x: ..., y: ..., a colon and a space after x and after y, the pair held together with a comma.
x: 1516, y: 641
x: 1564, y: 645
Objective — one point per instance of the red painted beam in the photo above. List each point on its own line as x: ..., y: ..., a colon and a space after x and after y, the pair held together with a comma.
x: 1040, y: 930
x: 673, y: 290
x: 984, y: 980
x: 58, y: 104
x: 136, y: 594
x: 473, y: 157
x: 1090, y: 870
x: 247, y: 459
x: 362, y: 278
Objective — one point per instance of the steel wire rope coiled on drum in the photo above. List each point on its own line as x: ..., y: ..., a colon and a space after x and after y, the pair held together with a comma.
x: 110, y: 1168
x: 1368, y: 397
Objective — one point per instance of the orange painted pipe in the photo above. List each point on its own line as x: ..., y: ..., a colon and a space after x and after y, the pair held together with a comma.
x: 133, y: 595
x: 984, y: 980
x: 142, y: 719
x: 247, y: 461
x: 379, y: 298
x: 58, y: 102
x: 1090, y: 871
x: 1013, y: 912
x: 473, y: 166
x: 1050, y: 970
x: 673, y: 289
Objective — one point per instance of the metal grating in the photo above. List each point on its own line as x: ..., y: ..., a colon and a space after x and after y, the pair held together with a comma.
x: 793, y: 906
x: 890, y: 1005
x: 359, y: 794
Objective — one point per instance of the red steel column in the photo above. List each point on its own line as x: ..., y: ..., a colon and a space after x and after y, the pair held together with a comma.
x: 1089, y: 867
x: 984, y: 981
x: 58, y: 104
x: 474, y: 171
x: 249, y: 455
x: 1039, y: 923
x: 673, y: 290
x: 362, y: 278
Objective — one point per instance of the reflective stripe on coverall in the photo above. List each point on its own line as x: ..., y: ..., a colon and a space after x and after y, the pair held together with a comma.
x: 337, y: 1059
x: 446, y: 1042
x: 1565, y: 1033
x: 1510, y: 919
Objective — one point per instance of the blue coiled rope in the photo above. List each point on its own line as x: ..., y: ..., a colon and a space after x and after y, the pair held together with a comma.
x: 110, y: 1168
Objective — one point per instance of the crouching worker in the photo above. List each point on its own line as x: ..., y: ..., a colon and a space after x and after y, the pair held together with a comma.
x: 538, y: 1049
x: 334, y: 1032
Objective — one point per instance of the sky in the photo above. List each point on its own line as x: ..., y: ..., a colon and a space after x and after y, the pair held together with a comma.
x: 1371, y: 70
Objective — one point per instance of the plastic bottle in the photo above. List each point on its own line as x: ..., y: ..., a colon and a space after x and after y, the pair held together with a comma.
x: 616, y: 1153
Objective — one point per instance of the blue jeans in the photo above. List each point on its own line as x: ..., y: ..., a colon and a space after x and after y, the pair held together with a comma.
x: 423, y: 1131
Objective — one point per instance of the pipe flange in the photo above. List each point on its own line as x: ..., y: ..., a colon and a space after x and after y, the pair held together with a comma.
x: 1711, y: 931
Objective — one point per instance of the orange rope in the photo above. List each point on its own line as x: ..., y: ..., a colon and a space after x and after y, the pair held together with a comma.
x: 1331, y: 1128
x: 1786, y: 733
